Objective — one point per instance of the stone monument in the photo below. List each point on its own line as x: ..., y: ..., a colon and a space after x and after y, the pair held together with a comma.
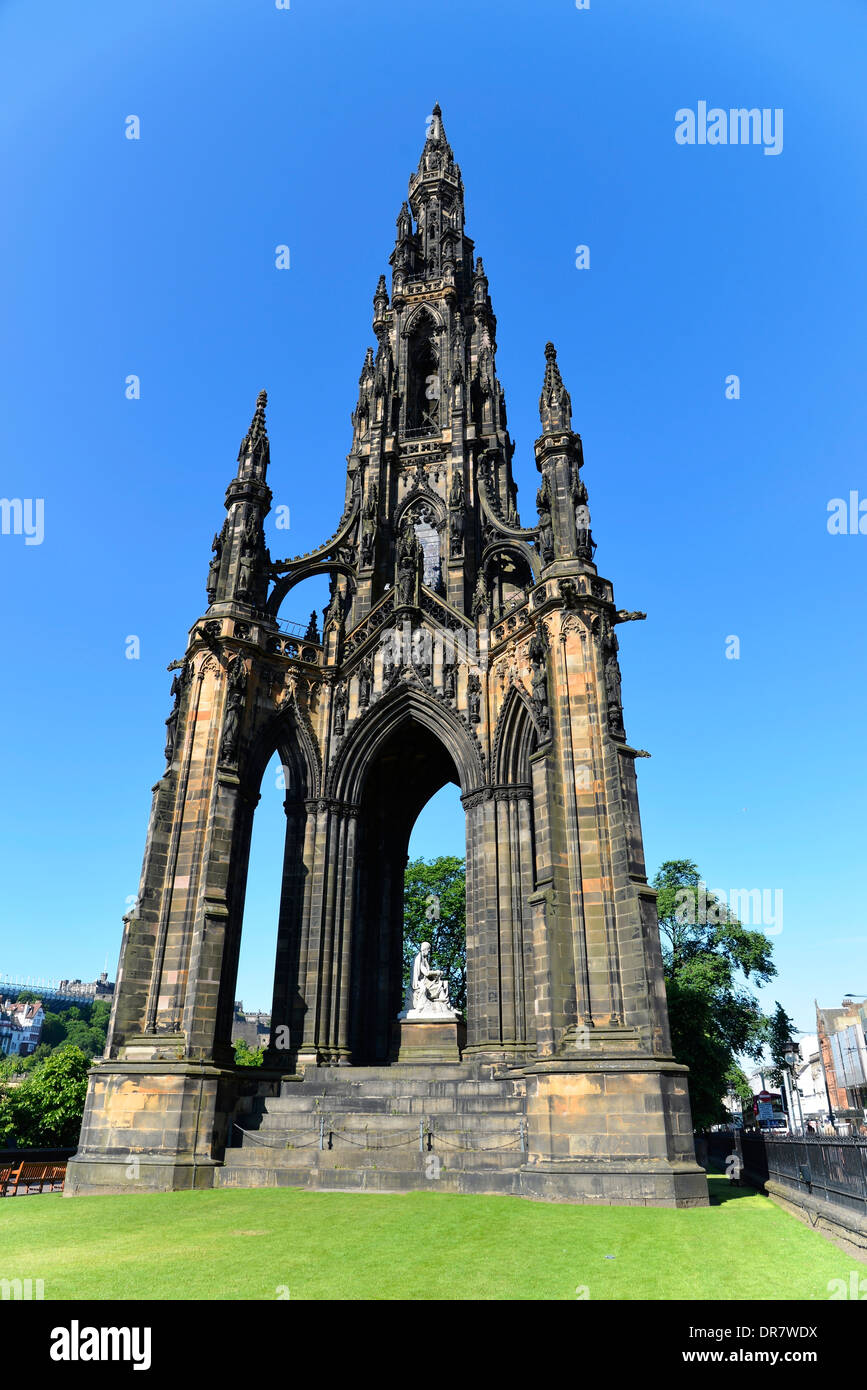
x: 430, y: 1029
x: 460, y: 646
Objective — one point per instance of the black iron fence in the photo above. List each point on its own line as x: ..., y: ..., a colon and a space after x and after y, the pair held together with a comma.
x: 830, y: 1168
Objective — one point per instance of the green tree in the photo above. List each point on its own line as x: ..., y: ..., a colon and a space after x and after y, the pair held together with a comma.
x: 709, y: 956
x: 246, y: 1056
x: 56, y: 1025
x: 779, y: 1036
x: 100, y: 1013
x: 14, y: 1066
x: 85, y: 1027
x: 48, y: 1105
x: 435, y: 910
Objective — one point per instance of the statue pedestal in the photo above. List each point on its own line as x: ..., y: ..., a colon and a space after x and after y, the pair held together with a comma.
x: 431, y: 1039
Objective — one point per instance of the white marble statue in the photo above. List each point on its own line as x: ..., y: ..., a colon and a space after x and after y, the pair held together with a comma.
x: 428, y: 993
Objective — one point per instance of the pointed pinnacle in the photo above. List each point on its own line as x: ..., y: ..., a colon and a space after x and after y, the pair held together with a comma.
x: 555, y: 405
x: 257, y: 434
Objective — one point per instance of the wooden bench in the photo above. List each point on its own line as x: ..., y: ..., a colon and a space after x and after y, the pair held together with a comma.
x: 32, y: 1177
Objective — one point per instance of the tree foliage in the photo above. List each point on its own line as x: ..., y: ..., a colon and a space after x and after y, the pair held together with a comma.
x: 434, y: 910
x: 46, y: 1108
x: 247, y: 1056
x: 709, y: 956
x: 779, y: 1033
x: 84, y: 1026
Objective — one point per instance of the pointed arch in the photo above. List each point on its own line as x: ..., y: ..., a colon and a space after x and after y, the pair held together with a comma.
x: 421, y: 495
x: 426, y: 317
x: 516, y: 550
x: 287, y: 582
x: 516, y: 736
x: 288, y: 733
x: 401, y: 705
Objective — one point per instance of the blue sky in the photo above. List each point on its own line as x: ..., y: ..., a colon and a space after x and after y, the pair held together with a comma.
x: 155, y: 257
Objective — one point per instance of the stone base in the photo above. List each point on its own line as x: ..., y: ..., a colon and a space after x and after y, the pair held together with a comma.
x: 91, y: 1176
x: 614, y: 1130
x: 159, y: 1126
x: 602, y: 1183
x: 604, y: 1130
x: 431, y: 1040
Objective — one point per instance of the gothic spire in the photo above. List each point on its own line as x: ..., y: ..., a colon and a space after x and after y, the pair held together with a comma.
x: 437, y: 155
x: 254, y: 453
x: 437, y: 176
x: 555, y: 406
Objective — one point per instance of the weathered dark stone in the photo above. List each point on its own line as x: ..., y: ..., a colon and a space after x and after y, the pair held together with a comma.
x: 500, y: 675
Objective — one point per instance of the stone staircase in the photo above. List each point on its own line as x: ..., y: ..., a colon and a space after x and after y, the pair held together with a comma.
x: 450, y: 1127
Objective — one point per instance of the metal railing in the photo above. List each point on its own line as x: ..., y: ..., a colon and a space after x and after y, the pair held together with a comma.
x: 831, y: 1168
x: 294, y: 629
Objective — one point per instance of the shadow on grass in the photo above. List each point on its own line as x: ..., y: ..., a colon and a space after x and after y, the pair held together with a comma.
x: 721, y: 1189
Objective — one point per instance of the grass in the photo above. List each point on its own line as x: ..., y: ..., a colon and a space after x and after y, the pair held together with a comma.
x: 272, y: 1243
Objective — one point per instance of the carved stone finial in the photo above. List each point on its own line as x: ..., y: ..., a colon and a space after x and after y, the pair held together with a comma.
x: 555, y: 405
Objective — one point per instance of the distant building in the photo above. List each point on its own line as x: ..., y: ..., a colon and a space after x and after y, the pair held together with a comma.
x: 253, y: 1028
x: 20, y: 1027
x: 60, y: 994
x: 842, y: 1036
x: 810, y: 1080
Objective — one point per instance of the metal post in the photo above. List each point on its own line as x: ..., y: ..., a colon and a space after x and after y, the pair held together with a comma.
x: 523, y: 1137
x: 421, y: 1136
x: 322, y: 1131
x: 787, y: 1092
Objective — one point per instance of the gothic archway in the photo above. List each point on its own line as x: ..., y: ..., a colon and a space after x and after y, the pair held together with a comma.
x: 424, y: 388
x: 289, y: 735
x: 409, y: 767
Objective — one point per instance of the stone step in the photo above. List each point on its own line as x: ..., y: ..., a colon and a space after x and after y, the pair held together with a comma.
x: 391, y: 1105
x: 292, y: 1129
x: 491, y: 1181
x: 400, y: 1086
x: 372, y: 1115
x: 396, y: 1157
x: 429, y: 1071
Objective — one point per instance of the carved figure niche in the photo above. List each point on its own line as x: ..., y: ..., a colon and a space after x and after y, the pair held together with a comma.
x: 422, y: 520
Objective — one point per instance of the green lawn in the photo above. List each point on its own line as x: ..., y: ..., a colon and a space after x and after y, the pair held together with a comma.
x: 333, y: 1245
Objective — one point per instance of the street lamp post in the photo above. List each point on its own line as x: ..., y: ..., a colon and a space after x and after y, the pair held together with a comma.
x: 791, y: 1059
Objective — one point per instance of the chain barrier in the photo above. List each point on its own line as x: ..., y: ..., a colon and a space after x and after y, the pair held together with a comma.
x: 251, y: 1134
x: 425, y: 1139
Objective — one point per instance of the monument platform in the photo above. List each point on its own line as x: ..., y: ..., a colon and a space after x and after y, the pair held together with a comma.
x: 459, y: 1127
x: 431, y: 1040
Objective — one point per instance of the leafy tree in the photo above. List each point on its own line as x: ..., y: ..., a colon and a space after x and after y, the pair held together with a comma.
x: 100, y: 1013
x: 47, y: 1107
x: 14, y: 1066
x: 85, y: 1027
x: 434, y: 910
x: 708, y: 956
x: 736, y: 1078
x: 246, y: 1056
x: 779, y: 1035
